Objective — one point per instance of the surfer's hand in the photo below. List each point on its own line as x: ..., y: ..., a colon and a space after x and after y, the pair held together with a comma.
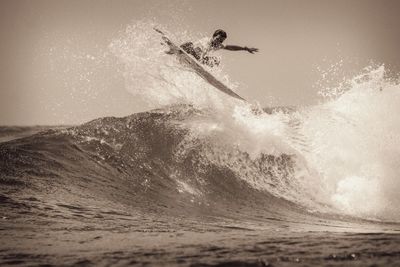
x: 251, y: 50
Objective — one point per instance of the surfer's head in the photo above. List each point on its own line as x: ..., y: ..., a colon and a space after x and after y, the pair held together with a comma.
x: 219, y: 36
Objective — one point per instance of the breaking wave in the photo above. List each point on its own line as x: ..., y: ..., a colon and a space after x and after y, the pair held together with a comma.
x: 206, y: 153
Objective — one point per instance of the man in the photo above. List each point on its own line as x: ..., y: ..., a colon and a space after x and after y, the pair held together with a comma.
x: 215, y: 43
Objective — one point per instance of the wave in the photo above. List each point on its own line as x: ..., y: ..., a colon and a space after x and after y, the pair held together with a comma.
x: 137, y: 161
x: 205, y: 153
x: 185, y: 160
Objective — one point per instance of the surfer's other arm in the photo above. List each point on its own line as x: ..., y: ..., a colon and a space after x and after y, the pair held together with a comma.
x: 239, y: 48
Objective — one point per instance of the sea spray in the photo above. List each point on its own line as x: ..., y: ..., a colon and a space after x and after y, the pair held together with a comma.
x: 157, y: 77
x: 354, y: 142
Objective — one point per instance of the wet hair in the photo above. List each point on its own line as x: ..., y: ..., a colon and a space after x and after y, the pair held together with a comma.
x: 221, y: 33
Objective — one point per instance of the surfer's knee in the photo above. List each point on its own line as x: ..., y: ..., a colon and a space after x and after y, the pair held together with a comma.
x: 210, y: 61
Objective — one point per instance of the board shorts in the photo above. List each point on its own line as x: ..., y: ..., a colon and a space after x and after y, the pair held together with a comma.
x: 196, y: 52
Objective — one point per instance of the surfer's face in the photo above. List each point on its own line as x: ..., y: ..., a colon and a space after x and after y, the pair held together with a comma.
x: 218, y: 39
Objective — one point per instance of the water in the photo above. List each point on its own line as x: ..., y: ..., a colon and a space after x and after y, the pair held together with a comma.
x: 207, y: 180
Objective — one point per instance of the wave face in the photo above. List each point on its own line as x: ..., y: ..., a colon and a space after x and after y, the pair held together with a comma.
x: 150, y: 161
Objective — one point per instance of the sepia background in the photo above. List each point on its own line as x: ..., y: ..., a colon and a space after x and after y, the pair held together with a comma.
x: 56, y: 67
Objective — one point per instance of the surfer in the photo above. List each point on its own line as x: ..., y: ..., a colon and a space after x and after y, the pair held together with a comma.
x: 214, y: 44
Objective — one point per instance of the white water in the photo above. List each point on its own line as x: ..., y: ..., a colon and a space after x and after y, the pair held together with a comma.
x: 347, y: 149
x: 355, y: 141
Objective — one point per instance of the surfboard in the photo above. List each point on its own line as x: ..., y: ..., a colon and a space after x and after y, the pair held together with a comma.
x: 189, y: 61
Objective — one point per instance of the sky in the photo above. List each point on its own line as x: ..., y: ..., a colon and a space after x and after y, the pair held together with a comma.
x: 51, y: 72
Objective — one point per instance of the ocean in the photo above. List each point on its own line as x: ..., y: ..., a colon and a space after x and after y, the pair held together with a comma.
x: 143, y: 190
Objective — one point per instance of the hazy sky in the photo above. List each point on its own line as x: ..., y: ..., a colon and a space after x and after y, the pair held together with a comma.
x: 50, y: 72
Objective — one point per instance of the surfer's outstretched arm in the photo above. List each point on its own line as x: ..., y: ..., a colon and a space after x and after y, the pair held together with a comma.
x: 239, y: 48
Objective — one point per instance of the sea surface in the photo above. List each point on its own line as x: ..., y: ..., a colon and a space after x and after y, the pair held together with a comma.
x: 131, y: 191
